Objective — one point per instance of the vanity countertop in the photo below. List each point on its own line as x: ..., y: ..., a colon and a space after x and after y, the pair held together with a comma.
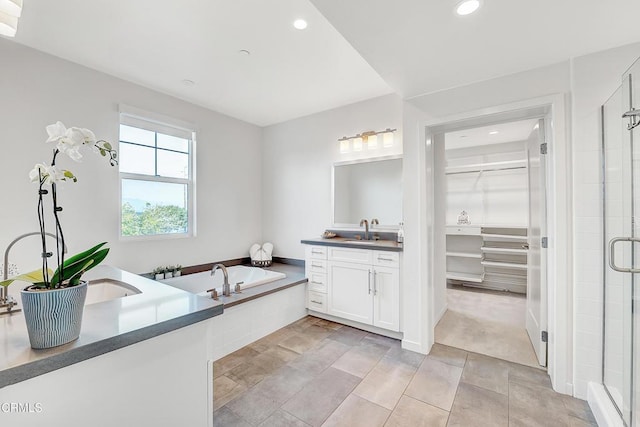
x: 376, y: 245
x: 106, y: 326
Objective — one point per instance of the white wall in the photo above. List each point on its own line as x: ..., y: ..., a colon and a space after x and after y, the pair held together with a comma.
x: 38, y: 89
x: 594, y: 78
x: 297, y: 160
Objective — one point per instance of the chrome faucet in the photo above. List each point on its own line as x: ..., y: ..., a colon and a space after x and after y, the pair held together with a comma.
x: 226, y: 287
x: 366, y: 228
x: 374, y: 221
x: 7, y: 301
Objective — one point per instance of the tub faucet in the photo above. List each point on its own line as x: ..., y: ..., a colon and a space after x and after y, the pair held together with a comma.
x: 6, y: 301
x: 366, y: 228
x: 226, y: 287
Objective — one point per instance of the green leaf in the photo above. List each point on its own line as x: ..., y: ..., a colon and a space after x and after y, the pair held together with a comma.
x: 32, y: 277
x: 78, y: 268
x: 107, y: 146
x: 103, y: 152
x: 72, y: 260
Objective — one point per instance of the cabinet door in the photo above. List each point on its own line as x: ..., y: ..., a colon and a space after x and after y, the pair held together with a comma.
x: 350, y: 293
x: 386, y: 299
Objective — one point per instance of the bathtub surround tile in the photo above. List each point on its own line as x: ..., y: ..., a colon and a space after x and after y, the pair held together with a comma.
x: 478, y: 407
x: 230, y: 361
x: 435, y: 383
x: 360, y: 359
x: 357, y: 412
x: 414, y: 413
x: 225, y: 417
x: 385, y: 383
x: 348, y: 335
x: 448, y: 355
x: 282, y: 418
x: 314, y: 403
x: 225, y: 390
x: 487, y: 372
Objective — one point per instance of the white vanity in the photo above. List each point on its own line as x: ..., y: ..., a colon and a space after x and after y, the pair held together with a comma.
x: 355, y: 284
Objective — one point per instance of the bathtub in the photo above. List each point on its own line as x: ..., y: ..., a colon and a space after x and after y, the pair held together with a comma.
x: 248, y: 277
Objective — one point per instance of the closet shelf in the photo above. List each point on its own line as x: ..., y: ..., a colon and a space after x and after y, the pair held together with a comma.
x: 504, y: 264
x: 514, y: 251
x: 464, y: 255
x: 504, y: 236
x: 487, y: 167
x: 465, y: 277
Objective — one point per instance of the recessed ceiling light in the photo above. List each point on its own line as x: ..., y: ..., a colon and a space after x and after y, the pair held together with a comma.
x: 300, y: 24
x: 188, y: 82
x: 466, y: 7
x: 493, y: 132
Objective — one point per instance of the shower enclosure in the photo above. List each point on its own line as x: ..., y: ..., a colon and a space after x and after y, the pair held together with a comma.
x: 621, y: 185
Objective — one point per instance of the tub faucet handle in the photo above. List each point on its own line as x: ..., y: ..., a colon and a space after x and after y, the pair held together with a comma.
x: 238, y: 288
x: 214, y: 293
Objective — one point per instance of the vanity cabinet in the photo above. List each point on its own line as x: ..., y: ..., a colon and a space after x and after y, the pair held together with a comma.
x: 362, y: 285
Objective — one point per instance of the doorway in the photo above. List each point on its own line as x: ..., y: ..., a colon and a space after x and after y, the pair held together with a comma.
x: 494, y: 209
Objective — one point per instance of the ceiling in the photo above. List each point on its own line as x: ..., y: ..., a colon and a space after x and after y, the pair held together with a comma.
x: 352, y: 50
x: 159, y: 43
x: 421, y: 46
x: 487, y: 135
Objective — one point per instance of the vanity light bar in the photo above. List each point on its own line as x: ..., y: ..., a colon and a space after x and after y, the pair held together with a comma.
x: 369, y: 137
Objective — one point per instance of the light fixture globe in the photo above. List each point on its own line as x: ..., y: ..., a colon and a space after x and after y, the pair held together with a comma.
x: 300, y: 24
x: 467, y: 7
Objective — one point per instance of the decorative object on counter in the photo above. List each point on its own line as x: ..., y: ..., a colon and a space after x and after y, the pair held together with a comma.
x: 463, y: 218
x: 177, y: 271
x: 158, y: 273
x: 54, y: 302
x: 261, y: 255
x: 328, y: 235
x: 400, y: 238
x: 168, y: 271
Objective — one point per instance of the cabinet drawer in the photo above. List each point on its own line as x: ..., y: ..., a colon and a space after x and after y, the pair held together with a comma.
x: 360, y: 256
x: 317, y: 282
x: 317, y: 301
x: 386, y: 259
x: 315, y: 266
x: 472, y: 231
x: 316, y: 252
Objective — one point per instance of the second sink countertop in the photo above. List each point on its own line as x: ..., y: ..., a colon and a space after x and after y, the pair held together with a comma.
x: 378, y: 245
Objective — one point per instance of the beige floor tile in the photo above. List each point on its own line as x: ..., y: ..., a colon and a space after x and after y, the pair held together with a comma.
x: 318, y: 399
x: 281, y: 418
x: 348, y: 335
x: 254, y: 406
x: 529, y: 374
x: 230, y: 361
x: 327, y: 324
x: 385, y: 383
x: 413, y: 413
x: 449, y: 355
x: 254, y: 371
x: 435, y: 383
x: 532, y: 405
x: 478, y: 407
x: 405, y: 356
x: 360, y: 359
x: 321, y: 357
x: 299, y: 342
x: 225, y: 417
x: 225, y: 390
x: 487, y: 372
x: 357, y: 412
x: 579, y: 409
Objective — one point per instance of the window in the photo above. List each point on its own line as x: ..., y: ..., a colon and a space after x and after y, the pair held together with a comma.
x: 156, y: 178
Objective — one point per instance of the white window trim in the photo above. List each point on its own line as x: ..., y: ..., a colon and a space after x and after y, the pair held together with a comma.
x: 128, y: 116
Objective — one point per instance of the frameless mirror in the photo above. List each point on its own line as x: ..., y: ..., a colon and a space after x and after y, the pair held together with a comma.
x: 367, y: 189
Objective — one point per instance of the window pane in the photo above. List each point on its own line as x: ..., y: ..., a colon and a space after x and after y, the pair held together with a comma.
x: 150, y: 208
x: 173, y: 143
x: 137, y: 136
x: 137, y: 159
x: 174, y: 165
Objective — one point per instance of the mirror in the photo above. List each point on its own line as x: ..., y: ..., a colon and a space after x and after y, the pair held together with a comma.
x: 367, y: 189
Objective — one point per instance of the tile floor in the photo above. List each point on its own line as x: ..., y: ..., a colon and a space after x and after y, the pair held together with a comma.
x: 487, y: 322
x: 319, y: 373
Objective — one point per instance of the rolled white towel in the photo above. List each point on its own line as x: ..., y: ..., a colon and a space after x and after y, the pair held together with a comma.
x: 268, y: 250
x: 254, y: 250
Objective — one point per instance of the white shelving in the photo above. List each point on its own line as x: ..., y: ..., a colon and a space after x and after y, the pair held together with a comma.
x: 495, y: 258
x: 487, y: 167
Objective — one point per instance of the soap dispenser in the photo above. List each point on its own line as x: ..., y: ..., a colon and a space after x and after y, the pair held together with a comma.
x: 401, y: 233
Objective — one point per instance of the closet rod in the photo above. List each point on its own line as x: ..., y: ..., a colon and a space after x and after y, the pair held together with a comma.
x: 486, y: 170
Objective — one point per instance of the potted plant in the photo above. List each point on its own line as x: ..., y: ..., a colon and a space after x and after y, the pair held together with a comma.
x: 177, y: 272
x: 158, y: 273
x: 54, y: 302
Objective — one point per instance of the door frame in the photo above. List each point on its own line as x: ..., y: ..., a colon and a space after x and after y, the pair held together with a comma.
x: 559, y: 221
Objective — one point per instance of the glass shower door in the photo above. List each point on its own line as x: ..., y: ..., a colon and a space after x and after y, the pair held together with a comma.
x: 620, y: 251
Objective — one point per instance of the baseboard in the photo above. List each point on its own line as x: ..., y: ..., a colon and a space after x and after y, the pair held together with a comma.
x: 358, y: 325
x: 603, y: 410
x: 439, y: 315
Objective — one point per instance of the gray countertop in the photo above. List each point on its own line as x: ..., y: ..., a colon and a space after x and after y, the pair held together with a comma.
x: 117, y: 323
x: 377, y: 245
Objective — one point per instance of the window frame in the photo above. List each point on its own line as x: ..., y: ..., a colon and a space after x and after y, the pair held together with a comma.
x: 150, y: 123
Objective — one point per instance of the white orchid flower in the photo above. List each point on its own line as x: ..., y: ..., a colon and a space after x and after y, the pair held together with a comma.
x: 56, y: 132
x: 50, y: 174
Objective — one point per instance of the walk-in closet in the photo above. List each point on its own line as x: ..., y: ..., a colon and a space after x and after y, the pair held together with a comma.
x: 493, y: 212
